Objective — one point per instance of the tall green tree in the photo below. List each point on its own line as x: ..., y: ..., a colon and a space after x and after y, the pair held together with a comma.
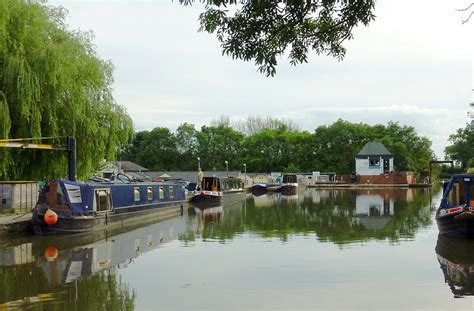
x: 462, y: 146
x: 411, y: 151
x: 187, y: 144
x: 217, y: 144
x: 54, y: 85
x: 335, y: 146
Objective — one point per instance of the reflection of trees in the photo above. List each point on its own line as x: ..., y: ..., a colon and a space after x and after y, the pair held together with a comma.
x: 333, y: 218
x: 103, y: 291
x: 336, y: 221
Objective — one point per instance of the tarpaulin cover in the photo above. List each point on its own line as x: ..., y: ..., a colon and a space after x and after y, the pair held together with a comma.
x: 80, y: 198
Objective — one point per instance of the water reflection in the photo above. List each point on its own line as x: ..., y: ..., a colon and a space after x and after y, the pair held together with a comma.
x: 339, y: 216
x: 84, y: 271
x: 78, y: 272
x: 456, y: 258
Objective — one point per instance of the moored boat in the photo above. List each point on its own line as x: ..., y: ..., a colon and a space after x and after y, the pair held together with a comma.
x: 289, y: 184
x: 214, y: 189
x: 66, y: 206
x: 259, y: 188
x: 455, y: 215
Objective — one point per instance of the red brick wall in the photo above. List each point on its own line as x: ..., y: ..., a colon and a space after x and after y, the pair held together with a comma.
x: 390, y: 178
x: 343, y: 179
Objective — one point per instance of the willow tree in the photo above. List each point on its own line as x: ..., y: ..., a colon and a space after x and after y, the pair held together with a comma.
x: 53, y: 84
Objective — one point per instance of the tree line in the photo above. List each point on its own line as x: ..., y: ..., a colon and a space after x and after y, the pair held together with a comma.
x: 275, y: 148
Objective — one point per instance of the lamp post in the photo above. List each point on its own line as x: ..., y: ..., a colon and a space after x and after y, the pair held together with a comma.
x: 199, y: 163
x: 245, y: 175
x: 227, y: 167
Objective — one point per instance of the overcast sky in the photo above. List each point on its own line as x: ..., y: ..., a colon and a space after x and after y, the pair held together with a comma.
x: 413, y: 65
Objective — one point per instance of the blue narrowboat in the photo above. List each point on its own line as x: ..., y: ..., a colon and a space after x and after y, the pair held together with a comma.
x: 455, y: 215
x: 69, y: 206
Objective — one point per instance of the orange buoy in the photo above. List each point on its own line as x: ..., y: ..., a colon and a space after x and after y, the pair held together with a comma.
x: 50, y: 217
x: 51, y: 253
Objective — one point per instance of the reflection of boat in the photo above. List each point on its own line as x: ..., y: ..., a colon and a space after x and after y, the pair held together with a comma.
x: 288, y: 197
x: 455, y: 215
x: 208, y: 216
x: 214, y: 189
x: 289, y: 184
x: 456, y: 257
x: 264, y: 200
x: 212, y: 214
x: 82, y: 207
x: 63, y: 263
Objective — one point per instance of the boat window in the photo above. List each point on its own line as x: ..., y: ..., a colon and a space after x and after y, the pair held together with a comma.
x: 457, y: 194
x: 161, y: 192
x: 136, y: 193
x: 471, y: 194
x: 74, y: 193
x: 171, y: 192
x: 289, y: 179
x: 207, y: 184
x: 103, y: 200
x: 149, y: 193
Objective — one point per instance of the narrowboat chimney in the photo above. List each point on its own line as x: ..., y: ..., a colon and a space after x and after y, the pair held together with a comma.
x: 71, y: 159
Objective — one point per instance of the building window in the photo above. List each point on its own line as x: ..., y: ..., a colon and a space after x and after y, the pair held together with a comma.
x: 171, y: 192
x: 149, y: 193
x: 136, y: 192
x: 374, y: 163
x: 161, y: 192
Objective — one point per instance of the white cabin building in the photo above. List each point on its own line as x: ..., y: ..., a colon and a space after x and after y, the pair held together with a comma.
x: 374, y: 159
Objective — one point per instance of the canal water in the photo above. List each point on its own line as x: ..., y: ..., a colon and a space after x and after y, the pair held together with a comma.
x: 319, y: 249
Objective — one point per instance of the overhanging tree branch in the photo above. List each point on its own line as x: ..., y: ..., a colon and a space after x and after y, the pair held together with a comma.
x: 466, y: 9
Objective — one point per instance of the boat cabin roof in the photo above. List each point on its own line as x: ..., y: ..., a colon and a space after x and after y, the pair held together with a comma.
x: 114, y: 183
x: 459, y: 176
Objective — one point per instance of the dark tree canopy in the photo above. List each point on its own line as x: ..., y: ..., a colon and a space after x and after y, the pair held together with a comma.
x: 462, y: 146
x: 263, y: 30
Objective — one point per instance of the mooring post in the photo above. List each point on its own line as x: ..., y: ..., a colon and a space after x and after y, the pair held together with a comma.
x: 71, y: 159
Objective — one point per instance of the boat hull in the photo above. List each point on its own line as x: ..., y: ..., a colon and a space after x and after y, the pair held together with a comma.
x: 259, y: 189
x: 459, y: 225
x: 206, y: 198
x: 109, y: 220
x: 288, y: 189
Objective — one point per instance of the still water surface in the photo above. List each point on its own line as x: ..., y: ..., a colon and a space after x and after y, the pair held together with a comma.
x: 320, y: 249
